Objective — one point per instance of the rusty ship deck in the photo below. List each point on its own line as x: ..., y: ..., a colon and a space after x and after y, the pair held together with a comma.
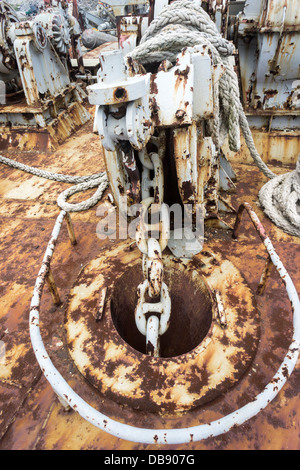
x: 31, y: 416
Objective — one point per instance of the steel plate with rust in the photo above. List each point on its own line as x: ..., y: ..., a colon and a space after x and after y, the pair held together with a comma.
x: 199, y: 360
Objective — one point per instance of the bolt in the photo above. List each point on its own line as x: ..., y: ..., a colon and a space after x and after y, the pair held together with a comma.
x: 180, y: 113
x: 118, y: 130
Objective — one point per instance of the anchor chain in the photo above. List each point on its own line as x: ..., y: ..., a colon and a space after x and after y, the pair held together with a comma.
x: 153, y: 317
x: 153, y: 162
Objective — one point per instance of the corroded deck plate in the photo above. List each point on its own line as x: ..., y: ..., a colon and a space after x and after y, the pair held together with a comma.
x: 200, y: 358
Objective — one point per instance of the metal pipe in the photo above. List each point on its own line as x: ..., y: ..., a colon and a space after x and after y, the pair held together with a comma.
x: 165, y: 436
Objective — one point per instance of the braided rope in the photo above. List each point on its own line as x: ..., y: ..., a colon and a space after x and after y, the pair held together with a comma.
x: 48, y: 174
x: 81, y: 183
x: 280, y: 199
x: 100, y: 183
x: 186, y: 13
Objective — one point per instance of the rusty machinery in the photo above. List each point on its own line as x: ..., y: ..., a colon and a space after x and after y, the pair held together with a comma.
x: 266, y: 36
x: 157, y: 119
x: 156, y: 350
x: 38, y: 94
x: 142, y: 111
x: 266, y: 39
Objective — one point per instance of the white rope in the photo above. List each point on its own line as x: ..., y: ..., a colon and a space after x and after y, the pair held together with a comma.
x: 100, y: 183
x: 82, y: 183
x: 184, y: 23
x: 280, y: 199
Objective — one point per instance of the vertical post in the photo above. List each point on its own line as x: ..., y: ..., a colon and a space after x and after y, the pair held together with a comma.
x: 52, y: 288
x: 70, y: 229
x: 64, y: 403
x: 152, y: 336
x: 265, y: 276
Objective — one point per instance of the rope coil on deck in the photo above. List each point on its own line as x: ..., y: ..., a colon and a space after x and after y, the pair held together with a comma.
x: 280, y: 199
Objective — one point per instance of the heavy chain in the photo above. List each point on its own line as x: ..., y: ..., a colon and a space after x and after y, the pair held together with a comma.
x: 153, y: 162
x: 153, y: 318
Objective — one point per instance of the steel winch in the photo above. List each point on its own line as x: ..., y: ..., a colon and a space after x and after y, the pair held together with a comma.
x: 137, y: 120
x: 139, y: 109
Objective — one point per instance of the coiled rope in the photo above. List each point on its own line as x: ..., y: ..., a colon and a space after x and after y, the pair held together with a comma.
x: 182, y: 24
x: 280, y: 199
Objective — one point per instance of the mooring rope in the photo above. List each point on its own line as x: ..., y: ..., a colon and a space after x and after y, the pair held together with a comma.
x: 80, y: 183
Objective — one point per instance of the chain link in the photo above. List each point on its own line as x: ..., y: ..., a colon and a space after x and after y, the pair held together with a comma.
x: 161, y: 227
x: 163, y: 307
x: 153, y: 267
x: 153, y: 318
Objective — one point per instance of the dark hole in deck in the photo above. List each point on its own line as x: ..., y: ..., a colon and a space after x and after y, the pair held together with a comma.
x: 191, y: 312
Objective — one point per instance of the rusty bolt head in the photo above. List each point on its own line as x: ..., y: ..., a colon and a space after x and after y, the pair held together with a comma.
x: 180, y: 113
